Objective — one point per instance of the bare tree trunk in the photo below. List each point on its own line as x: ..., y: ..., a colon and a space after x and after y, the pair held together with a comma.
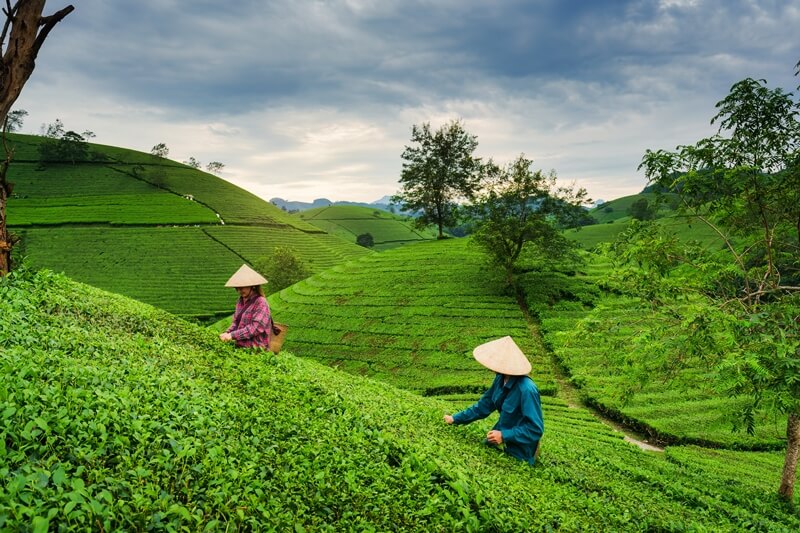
x: 20, y: 46
x: 786, y: 491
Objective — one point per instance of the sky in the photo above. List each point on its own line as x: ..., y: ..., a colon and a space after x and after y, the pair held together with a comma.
x: 316, y: 99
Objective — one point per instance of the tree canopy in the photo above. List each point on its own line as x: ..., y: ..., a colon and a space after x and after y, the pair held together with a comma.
x: 439, y: 170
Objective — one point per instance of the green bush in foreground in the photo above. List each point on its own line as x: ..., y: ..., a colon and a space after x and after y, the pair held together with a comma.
x: 118, y: 416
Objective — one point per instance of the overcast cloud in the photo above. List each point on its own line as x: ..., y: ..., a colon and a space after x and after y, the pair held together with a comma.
x: 308, y: 99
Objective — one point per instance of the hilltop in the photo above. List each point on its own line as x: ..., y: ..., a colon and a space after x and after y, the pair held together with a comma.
x: 348, y: 222
x: 118, y: 416
x: 151, y: 228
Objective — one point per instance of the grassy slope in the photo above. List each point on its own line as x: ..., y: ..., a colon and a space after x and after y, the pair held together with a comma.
x: 409, y: 316
x: 126, y: 224
x: 348, y: 222
x: 116, y: 415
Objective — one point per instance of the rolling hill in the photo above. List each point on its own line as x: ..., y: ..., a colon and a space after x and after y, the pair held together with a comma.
x: 118, y: 416
x: 151, y: 228
x: 348, y: 222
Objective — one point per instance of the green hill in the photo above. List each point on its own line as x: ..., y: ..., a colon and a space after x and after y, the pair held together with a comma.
x: 387, y: 230
x: 118, y: 416
x: 151, y: 228
x: 409, y: 316
x: 619, y: 209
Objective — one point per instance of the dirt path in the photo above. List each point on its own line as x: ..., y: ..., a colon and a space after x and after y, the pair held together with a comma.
x: 568, y: 393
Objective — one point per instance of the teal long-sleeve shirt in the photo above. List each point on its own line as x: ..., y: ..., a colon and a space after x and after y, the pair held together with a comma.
x: 520, y: 410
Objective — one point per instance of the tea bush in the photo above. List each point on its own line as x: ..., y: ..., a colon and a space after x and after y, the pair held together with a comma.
x: 117, y: 416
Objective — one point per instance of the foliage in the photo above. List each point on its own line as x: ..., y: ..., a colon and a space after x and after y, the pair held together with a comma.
x: 747, y: 187
x: 160, y: 150
x: 366, y: 240
x: 15, y: 119
x: 282, y: 268
x: 215, y: 167
x: 642, y: 210
x: 192, y: 163
x: 439, y: 169
x: 117, y: 416
x: 64, y: 146
x: 523, y: 210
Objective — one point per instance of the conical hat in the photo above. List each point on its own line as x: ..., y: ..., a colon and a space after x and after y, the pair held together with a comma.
x: 246, y: 277
x: 503, y: 356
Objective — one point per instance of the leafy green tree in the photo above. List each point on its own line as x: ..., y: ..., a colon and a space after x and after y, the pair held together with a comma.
x: 215, y: 167
x: 192, y: 162
x: 366, y: 240
x: 744, y: 302
x: 282, y: 268
x: 60, y: 145
x: 521, y: 209
x: 439, y: 170
x: 642, y: 210
x: 160, y: 150
x: 15, y: 119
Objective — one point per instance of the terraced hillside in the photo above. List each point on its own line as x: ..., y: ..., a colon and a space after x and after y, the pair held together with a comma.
x: 151, y: 228
x: 116, y: 416
x: 591, y: 331
x: 409, y: 316
x: 348, y: 222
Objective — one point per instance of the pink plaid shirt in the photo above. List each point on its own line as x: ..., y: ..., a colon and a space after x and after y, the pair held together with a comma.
x: 251, y: 323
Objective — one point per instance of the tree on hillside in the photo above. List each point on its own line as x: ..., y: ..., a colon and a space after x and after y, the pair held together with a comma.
x: 192, y: 162
x: 525, y: 210
x: 439, y: 170
x: 160, y: 150
x: 642, y: 210
x: 281, y: 268
x: 23, y: 34
x: 366, y: 240
x: 15, y: 119
x: 60, y: 145
x: 215, y: 167
x: 743, y: 306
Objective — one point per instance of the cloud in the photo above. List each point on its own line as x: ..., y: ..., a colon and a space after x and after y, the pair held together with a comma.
x: 304, y: 99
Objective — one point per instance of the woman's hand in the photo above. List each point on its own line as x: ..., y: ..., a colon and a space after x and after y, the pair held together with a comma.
x: 448, y: 419
x: 225, y: 337
x: 494, y: 437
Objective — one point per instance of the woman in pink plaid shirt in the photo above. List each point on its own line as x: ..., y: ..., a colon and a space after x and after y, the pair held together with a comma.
x: 252, y: 323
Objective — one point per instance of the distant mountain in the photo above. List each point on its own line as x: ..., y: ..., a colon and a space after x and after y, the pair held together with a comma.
x: 384, y: 203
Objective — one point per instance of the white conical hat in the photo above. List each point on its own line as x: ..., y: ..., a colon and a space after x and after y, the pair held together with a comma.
x: 503, y: 356
x: 246, y: 277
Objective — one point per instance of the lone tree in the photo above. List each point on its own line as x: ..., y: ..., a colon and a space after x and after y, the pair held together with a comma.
x: 282, y: 268
x: 24, y: 32
x: 746, y: 299
x: 520, y: 210
x: 160, y: 150
x: 439, y: 169
x: 366, y: 240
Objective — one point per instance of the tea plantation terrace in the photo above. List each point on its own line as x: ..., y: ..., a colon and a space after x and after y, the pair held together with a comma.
x: 149, y: 228
x: 119, y: 416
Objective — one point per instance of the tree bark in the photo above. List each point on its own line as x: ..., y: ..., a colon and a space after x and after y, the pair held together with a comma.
x: 28, y: 31
x: 786, y: 490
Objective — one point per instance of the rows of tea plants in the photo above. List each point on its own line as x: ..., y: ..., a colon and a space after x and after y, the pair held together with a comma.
x: 410, y: 316
x: 594, y: 331
x: 317, y: 250
x: 119, y: 209
x: 387, y: 230
x: 69, y: 217
x: 117, y: 416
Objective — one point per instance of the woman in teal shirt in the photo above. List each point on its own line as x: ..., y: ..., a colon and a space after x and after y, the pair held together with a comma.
x: 514, y: 395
